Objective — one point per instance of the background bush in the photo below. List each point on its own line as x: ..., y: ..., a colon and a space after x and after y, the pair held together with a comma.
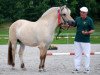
x: 12, y: 10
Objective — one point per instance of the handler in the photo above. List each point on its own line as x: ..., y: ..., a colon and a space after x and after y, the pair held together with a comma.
x: 85, y: 27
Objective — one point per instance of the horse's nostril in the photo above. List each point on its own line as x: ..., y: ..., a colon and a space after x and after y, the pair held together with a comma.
x: 71, y: 23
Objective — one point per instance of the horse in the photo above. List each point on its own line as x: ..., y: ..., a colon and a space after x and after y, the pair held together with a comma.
x: 39, y: 33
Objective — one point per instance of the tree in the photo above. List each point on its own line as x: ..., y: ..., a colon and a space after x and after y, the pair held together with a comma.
x: 11, y: 10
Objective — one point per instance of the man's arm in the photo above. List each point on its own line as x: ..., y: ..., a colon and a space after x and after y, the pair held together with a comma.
x: 88, y: 32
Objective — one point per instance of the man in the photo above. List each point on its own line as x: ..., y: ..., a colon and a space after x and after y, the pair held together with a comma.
x: 85, y: 27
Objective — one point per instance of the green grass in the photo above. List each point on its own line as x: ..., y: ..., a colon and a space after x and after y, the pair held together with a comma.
x: 4, y: 30
x: 70, y: 40
x: 97, y: 26
x: 3, y: 41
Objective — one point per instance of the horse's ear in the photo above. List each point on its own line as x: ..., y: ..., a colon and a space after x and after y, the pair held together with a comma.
x: 63, y: 7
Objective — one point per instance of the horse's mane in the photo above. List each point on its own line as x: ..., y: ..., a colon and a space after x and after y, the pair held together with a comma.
x: 49, y: 11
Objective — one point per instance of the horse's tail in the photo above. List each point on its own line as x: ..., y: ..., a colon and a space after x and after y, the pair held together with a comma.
x: 10, y: 57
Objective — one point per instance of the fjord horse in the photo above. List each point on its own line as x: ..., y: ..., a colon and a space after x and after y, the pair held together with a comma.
x: 38, y: 33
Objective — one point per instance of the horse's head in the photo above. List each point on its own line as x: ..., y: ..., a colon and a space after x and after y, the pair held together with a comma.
x: 66, y: 18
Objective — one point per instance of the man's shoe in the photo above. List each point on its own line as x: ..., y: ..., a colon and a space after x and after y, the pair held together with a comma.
x: 87, y: 71
x: 76, y: 71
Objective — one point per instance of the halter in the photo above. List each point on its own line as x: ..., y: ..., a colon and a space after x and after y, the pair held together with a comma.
x: 60, y: 23
x: 60, y: 16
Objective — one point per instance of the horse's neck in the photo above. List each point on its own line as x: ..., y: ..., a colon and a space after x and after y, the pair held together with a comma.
x: 51, y: 20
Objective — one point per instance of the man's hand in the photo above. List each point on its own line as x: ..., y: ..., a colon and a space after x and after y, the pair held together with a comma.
x: 85, y: 32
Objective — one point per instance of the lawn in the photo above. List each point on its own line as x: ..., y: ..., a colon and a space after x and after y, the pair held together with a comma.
x: 69, y: 34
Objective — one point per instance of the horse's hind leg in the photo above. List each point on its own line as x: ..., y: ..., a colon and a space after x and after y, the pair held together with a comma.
x: 21, y: 50
x: 13, y: 54
x: 43, y: 52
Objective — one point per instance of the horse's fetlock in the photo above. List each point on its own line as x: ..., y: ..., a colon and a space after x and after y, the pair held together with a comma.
x: 13, y: 64
x: 22, y: 65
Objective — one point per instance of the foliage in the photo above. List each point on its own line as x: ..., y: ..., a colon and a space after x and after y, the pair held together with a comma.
x: 11, y: 10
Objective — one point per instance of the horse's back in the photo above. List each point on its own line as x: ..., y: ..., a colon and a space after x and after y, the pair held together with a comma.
x: 21, y: 22
x: 16, y: 26
x: 25, y: 31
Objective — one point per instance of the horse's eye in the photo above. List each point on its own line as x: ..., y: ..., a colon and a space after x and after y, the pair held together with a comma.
x: 64, y: 14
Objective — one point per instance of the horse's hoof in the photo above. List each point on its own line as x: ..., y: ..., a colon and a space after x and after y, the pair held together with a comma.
x: 44, y: 70
x: 24, y: 69
x: 40, y: 70
x: 13, y: 68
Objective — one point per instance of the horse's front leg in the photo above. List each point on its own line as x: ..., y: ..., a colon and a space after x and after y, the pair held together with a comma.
x: 21, y: 50
x: 43, y: 52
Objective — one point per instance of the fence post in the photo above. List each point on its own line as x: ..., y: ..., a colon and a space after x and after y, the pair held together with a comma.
x: 67, y: 38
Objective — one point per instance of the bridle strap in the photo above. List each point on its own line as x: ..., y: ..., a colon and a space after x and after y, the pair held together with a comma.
x: 59, y: 17
x: 60, y: 23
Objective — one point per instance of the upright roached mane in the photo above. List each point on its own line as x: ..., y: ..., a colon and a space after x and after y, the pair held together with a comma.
x: 39, y: 33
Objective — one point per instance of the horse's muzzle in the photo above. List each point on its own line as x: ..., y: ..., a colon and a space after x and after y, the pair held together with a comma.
x: 71, y: 23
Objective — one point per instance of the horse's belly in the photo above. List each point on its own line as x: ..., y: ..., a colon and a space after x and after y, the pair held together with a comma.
x: 30, y: 43
x: 35, y: 41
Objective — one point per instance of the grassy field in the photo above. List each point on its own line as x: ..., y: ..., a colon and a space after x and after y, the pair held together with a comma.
x: 95, y: 38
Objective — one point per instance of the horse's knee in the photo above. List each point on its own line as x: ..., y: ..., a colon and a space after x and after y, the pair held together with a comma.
x: 13, y: 50
x: 43, y: 56
x: 20, y: 53
x: 21, y: 50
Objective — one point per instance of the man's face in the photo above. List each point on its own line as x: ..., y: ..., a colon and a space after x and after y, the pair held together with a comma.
x: 83, y: 14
